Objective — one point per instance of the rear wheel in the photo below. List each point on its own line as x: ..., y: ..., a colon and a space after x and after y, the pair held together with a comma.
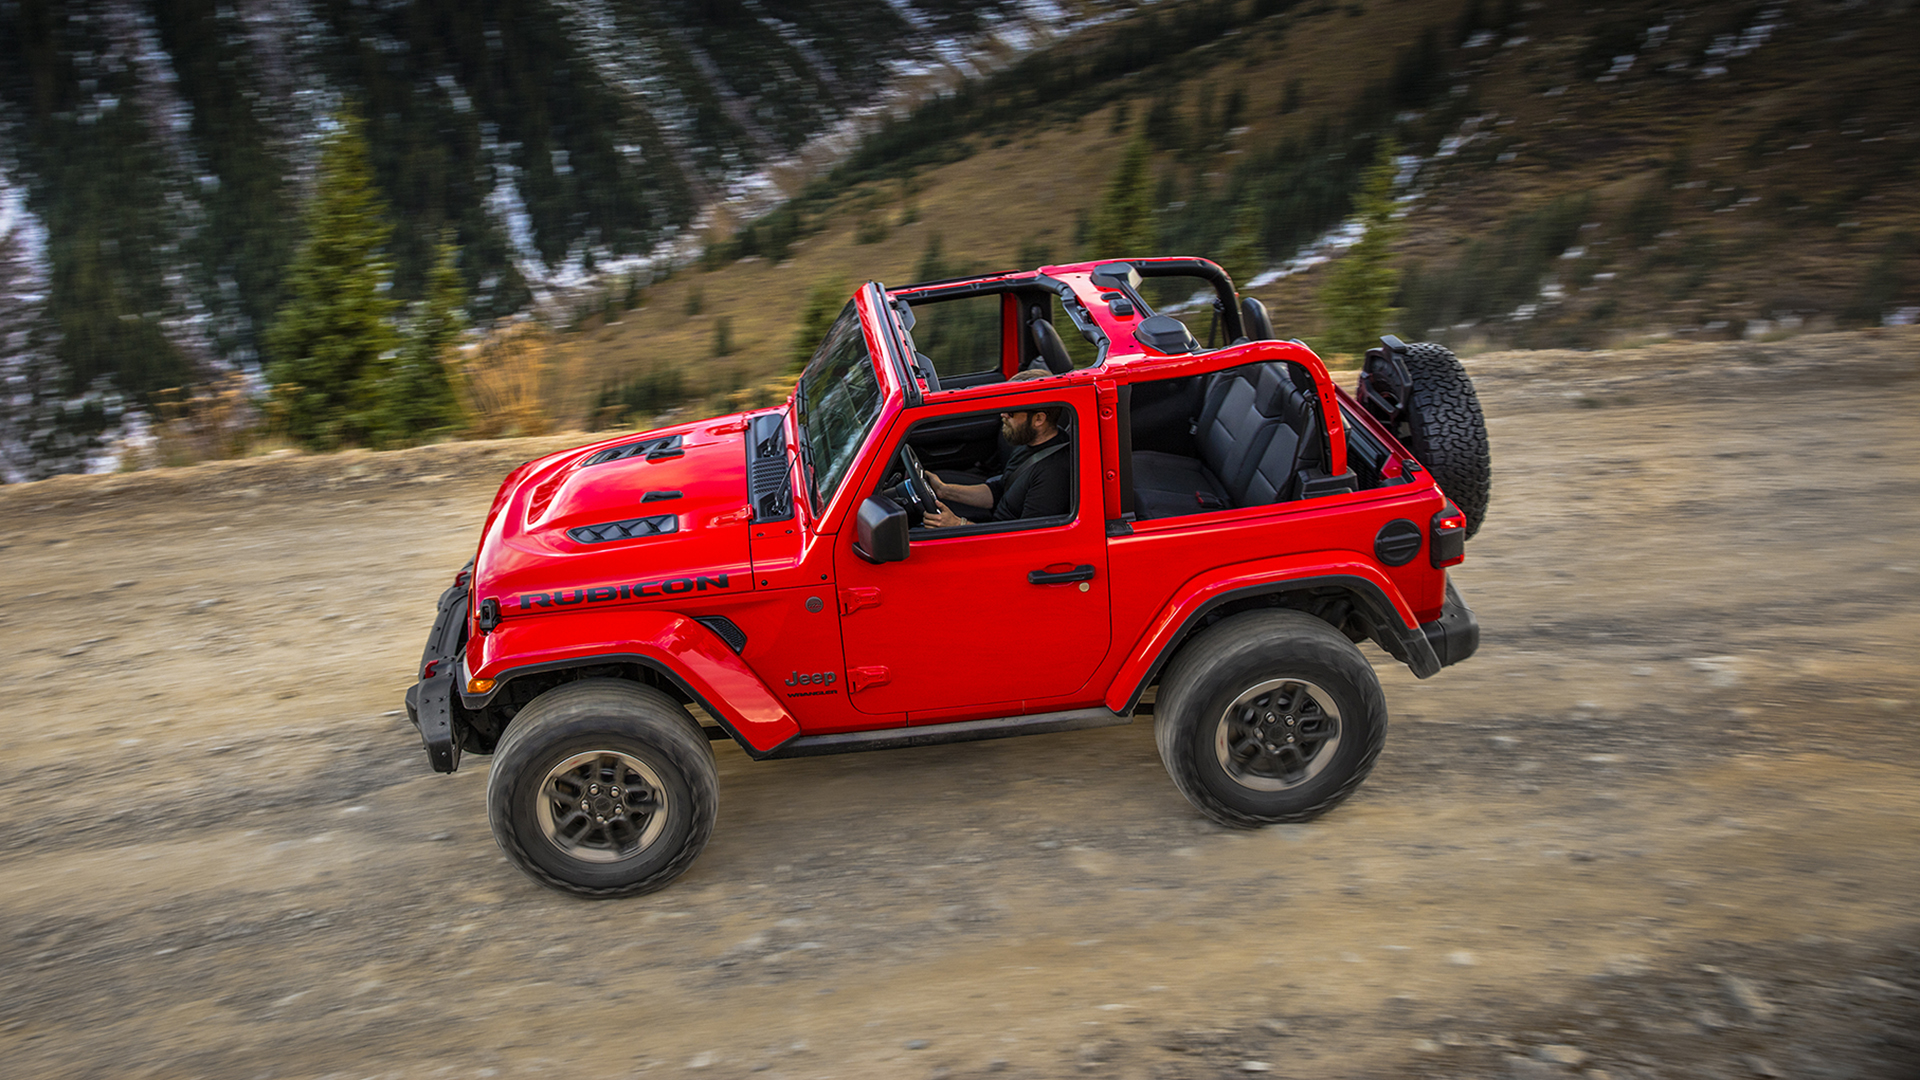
x: 603, y: 788
x: 1269, y: 716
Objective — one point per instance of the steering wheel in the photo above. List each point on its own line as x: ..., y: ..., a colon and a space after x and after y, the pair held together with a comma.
x: 915, y: 486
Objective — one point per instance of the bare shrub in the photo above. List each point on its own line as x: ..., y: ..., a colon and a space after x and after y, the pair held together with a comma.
x: 760, y: 395
x: 502, y: 380
x: 204, y: 423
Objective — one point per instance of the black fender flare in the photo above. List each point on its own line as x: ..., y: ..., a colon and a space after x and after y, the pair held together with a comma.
x: 477, y: 702
x: 1407, y: 645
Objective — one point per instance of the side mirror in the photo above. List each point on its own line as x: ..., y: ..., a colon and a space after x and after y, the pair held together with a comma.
x: 882, y: 528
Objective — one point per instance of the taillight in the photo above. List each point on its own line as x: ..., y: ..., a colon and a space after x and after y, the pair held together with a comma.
x: 1449, y: 531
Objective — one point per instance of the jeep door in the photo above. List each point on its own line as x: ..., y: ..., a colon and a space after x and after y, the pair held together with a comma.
x: 991, y: 619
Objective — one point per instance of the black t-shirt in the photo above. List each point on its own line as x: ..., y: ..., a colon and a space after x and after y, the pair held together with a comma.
x: 1037, y: 482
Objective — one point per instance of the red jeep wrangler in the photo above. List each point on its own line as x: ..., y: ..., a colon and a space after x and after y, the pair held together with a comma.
x: 1221, y: 524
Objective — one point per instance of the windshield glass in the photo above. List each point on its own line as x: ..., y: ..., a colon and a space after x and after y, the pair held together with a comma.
x: 839, y: 399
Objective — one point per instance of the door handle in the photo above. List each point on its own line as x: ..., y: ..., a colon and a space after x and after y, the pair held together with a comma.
x: 1083, y: 572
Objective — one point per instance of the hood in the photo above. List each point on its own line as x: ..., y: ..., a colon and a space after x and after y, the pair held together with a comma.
x: 635, y: 519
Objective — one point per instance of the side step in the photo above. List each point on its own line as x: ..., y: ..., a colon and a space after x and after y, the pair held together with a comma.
x: 850, y: 742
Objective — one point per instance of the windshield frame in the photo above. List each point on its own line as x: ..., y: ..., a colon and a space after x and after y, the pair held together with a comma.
x: 824, y: 466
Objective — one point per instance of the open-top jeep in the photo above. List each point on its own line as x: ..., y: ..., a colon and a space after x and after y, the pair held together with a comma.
x: 1224, y: 526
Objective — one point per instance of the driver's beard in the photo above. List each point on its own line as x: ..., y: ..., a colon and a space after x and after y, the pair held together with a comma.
x: 1018, y: 429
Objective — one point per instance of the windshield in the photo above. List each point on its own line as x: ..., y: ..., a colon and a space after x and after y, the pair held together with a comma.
x: 838, y: 400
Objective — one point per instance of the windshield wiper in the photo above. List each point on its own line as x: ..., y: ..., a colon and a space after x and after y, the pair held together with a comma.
x: 804, y: 443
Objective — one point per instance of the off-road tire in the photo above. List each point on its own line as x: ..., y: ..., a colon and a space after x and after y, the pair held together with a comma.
x: 1218, y: 667
x: 1446, y: 430
x: 637, y: 732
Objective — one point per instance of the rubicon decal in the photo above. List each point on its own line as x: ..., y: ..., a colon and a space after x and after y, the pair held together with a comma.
x: 601, y: 594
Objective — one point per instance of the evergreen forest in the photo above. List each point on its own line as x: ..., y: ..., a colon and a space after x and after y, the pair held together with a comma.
x: 235, y: 224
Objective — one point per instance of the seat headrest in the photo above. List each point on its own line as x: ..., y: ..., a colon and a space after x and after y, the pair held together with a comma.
x: 1052, y: 350
x: 1271, y: 388
x: 1277, y: 395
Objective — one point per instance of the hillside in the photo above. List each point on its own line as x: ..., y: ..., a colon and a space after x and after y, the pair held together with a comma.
x: 1572, y: 179
x: 155, y: 155
x: 1569, y: 177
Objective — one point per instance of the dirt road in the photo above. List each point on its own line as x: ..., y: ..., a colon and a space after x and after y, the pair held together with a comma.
x: 1666, y: 824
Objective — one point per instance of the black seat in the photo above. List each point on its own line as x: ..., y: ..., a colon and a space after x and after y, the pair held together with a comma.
x: 1052, y: 350
x: 1254, y: 433
x: 1229, y: 434
x: 1293, y: 445
x: 1161, y: 413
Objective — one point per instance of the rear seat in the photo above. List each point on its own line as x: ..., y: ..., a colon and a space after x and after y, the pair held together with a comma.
x: 1252, y: 433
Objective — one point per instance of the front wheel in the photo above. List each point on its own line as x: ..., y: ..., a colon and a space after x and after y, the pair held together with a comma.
x: 1267, y: 717
x: 603, y: 788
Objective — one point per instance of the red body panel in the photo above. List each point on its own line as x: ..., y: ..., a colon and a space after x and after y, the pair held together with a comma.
x: 676, y: 643
x: 923, y: 619
x: 957, y: 631
x: 530, y: 565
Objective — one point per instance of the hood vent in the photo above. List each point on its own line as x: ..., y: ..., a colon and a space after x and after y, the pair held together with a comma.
x: 666, y: 446
x: 767, y: 486
x: 631, y: 529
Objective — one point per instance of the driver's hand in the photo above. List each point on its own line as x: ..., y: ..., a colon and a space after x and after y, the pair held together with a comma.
x: 940, y: 517
x: 939, y: 486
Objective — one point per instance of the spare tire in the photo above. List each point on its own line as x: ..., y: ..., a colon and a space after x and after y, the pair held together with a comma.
x: 1446, y: 430
x: 1437, y: 414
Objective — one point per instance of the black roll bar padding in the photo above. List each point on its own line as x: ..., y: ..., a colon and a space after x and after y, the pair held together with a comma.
x: 1385, y: 384
x: 1076, y: 311
x: 1228, y: 301
x: 899, y: 350
x: 1119, y: 276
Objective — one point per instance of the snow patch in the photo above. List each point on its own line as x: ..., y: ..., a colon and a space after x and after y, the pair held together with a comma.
x: 1733, y: 46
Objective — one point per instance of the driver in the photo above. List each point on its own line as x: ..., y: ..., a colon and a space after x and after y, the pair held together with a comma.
x: 1037, y: 481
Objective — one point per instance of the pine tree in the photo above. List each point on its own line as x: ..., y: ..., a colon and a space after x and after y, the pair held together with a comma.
x: 1244, y: 255
x: 335, y: 336
x: 823, y: 306
x: 1359, y: 291
x: 30, y: 374
x: 1290, y: 101
x: 1123, y: 227
x: 933, y: 261
x: 1200, y: 134
x: 414, y: 397
x: 1162, y: 126
x: 1235, y: 111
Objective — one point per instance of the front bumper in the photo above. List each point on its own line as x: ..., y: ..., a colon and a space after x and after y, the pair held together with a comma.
x: 430, y: 700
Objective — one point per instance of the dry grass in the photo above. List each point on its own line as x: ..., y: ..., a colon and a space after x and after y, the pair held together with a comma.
x: 202, y: 423
x: 505, y: 382
x: 1013, y: 191
x: 1608, y: 140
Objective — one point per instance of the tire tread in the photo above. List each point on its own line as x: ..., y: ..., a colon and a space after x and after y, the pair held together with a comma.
x: 1302, y: 635
x: 583, y: 706
x: 1449, y: 432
